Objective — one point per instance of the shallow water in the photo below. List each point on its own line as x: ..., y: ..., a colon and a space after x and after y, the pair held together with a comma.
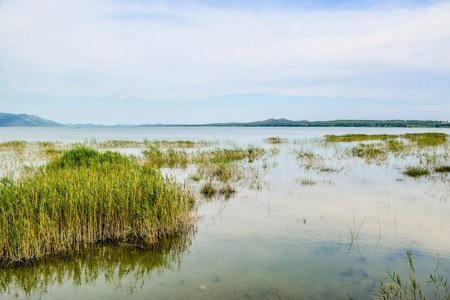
x: 306, y: 234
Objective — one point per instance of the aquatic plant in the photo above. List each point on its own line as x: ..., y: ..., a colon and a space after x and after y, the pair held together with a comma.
x: 208, y: 190
x: 427, y: 138
x: 442, y: 169
x: 416, y: 171
x: 227, y: 191
x: 13, y: 145
x: 86, y: 197
x: 358, y: 137
x: 275, y: 140
x: 368, y: 151
x: 411, y: 288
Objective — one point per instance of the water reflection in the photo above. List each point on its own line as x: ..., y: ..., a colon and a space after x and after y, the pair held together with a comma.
x: 123, y: 269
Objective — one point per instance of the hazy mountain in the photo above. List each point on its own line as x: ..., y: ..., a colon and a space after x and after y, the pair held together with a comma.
x: 23, y: 120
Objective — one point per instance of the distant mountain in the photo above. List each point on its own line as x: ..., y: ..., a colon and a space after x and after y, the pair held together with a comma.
x: 23, y: 120
x: 338, y: 123
x: 98, y: 125
x: 334, y: 123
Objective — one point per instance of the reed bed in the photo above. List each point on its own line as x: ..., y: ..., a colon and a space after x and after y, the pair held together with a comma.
x: 180, y: 158
x: 151, y: 143
x: 359, y: 137
x: 86, y: 197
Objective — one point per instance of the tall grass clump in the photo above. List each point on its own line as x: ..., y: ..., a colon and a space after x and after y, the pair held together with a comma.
x: 86, y: 197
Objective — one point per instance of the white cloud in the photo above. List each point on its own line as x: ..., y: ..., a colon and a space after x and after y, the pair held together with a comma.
x: 155, y: 51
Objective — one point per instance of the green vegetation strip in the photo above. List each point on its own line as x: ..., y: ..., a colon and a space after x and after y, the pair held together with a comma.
x: 86, y: 197
x: 421, y: 139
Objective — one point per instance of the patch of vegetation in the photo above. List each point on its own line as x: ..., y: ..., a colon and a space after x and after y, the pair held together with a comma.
x: 397, y: 288
x: 208, y: 190
x: 154, y: 143
x: 168, y: 158
x: 307, y: 181
x: 86, y: 197
x: 416, y: 171
x: 368, y: 151
x: 13, y: 145
x: 358, y: 137
x: 442, y: 169
x: 275, y: 140
x: 227, y: 191
x: 427, y: 138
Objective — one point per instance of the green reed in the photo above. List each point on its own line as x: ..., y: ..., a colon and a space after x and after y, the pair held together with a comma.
x: 87, y: 197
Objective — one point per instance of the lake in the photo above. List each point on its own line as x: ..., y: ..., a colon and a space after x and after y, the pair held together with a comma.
x: 310, y: 221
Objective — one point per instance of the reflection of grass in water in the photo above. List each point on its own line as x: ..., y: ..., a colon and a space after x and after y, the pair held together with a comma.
x: 87, y: 197
x: 416, y: 171
x: 124, y: 269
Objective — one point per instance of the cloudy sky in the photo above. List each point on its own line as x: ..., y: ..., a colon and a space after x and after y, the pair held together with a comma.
x: 145, y: 61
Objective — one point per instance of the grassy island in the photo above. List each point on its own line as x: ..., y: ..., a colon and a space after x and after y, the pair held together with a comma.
x: 86, y: 197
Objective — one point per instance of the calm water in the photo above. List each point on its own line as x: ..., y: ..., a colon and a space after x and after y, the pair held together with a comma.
x: 287, y: 240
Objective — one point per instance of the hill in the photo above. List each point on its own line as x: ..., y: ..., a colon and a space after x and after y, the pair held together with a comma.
x: 334, y: 123
x: 23, y: 120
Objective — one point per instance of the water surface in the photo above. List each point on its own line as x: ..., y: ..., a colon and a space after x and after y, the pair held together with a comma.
x: 286, y: 240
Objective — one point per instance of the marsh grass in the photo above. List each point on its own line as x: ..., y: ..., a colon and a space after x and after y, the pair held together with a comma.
x: 395, y: 287
x: 359, y: 137
x: 368, y: 151
x: 86, y: 197
x: 420, y: 139
x: 427, y: 138
x: 208, y: 190
x: 13, y: 145
x: 416, y: 171
x: 149, y: 143
x: 307, y: 181
x: 227, y: 190
x: 275, y: 140
x: 442, y: 169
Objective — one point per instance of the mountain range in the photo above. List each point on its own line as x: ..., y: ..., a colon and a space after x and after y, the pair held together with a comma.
x: 23, y: 120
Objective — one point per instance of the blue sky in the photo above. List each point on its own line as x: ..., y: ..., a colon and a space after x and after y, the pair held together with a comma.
x: 139, y: 61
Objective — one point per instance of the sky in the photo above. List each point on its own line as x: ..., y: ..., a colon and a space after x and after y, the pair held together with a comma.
x: 202, y: 61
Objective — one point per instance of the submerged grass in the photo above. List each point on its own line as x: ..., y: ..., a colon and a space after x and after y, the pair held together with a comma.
x: 86, y: 197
